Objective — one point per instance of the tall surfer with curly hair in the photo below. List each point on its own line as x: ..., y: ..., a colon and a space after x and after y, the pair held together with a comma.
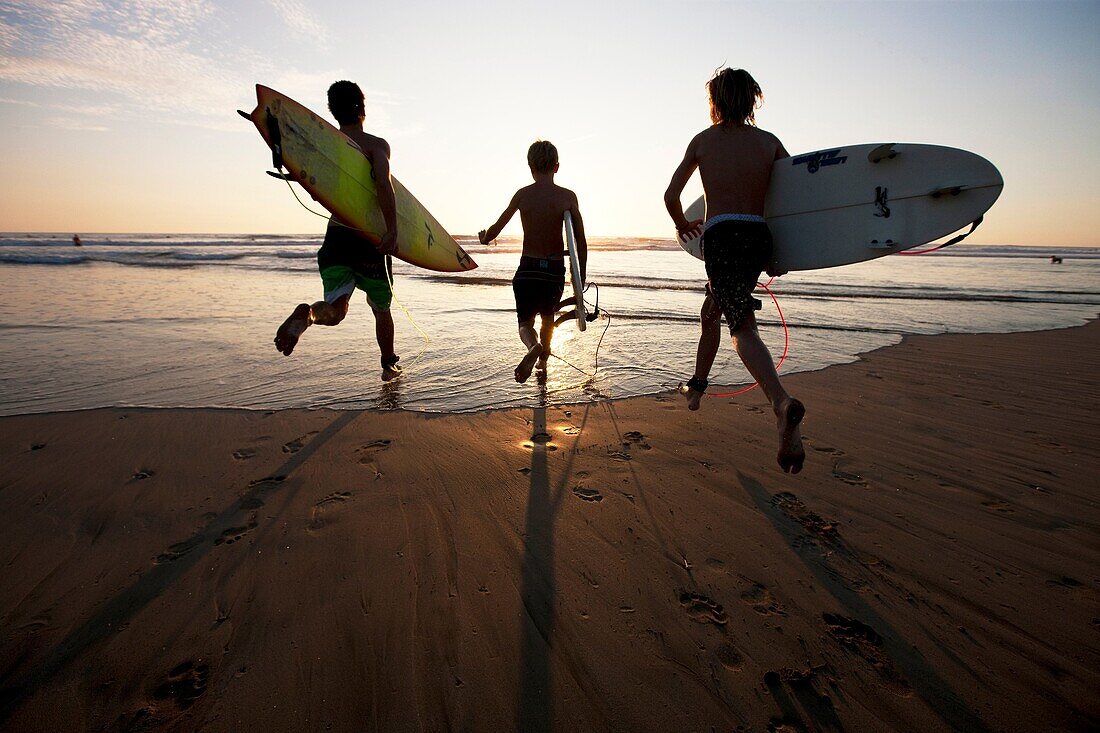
x: 734, y: 158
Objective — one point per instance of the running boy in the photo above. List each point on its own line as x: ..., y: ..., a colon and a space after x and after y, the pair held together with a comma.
x: 540, y: 280
x: 735, y: 158
x: 348, y: 260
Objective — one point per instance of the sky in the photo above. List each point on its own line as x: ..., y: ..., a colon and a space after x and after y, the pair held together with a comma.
x: 119, y: 115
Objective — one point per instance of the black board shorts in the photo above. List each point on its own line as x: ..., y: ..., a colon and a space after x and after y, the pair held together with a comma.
x: 538, y: 286
x: 735, y: 253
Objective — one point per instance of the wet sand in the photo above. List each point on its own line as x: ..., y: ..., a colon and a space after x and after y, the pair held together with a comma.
x: 639, y: 568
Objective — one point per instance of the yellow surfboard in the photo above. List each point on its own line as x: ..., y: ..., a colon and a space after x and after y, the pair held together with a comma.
x: 331, y: 167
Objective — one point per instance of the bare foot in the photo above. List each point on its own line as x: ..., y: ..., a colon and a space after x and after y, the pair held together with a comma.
x: 286, y: 338
x: 791, y: 455
x: 693, y: 397
x: 393, y: 371
x: 523, y: 371
x: 693, y: 391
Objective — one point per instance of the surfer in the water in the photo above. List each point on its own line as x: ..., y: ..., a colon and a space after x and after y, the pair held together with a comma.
x: 347, y: 259
x: 540, y: 280
x: 735, y: 158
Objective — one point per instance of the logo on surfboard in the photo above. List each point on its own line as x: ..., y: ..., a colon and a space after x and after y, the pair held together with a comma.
x: 814, y: 161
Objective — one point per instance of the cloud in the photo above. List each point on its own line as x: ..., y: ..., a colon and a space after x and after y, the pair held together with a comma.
x: 73, y: 123
x: 300, y: 22
x: 156, y: 58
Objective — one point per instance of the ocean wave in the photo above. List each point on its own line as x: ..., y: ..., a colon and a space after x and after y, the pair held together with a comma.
x: 197, y: 257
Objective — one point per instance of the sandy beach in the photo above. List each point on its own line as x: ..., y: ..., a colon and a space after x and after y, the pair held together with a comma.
x: 641, y: 568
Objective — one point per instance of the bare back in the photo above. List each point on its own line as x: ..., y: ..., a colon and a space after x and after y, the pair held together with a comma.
x: 735, y: 164
x: 542, y: 207
x: 371, y: 145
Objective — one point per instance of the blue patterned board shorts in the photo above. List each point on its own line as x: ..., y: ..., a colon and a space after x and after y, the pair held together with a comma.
x: 735, y: 253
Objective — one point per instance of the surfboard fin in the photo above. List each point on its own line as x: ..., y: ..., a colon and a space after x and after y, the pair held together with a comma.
x: 244, y: 114
x: 885, y: 244
x: 883, y: 152
x: 946, y: 191
x: 275, y: 136
x: 280, y: 176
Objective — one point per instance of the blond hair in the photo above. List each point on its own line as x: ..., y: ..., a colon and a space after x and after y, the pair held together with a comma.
x: 542, y: 156
x: 734, y: 97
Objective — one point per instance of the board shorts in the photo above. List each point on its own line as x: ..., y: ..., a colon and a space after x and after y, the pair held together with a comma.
x: 538, y: 286
x: 341, y: 280
x: 735, y: 252
x: 348, y: 260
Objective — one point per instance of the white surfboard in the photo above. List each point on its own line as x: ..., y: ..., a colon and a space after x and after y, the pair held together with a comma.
x: 575, y: 270
x: 843, y: 205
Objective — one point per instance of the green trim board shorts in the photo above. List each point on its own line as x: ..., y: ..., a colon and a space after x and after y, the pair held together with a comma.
x: 341, y: 280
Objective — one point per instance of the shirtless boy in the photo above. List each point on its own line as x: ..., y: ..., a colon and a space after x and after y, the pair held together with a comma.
x: 735, y: 158
x: 347, y: 259
x: 540, y: 280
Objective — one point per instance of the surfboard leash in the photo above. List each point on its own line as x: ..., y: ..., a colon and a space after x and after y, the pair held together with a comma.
x: 786, y: 345
x: 596, y: 365
x: 786, y: 349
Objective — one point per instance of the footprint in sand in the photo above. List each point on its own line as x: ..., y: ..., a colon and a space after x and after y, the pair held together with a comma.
x: 633, y: 437
x: 826, y: 449
x: 852, y: 479
x: 860, y: 638
x: 318, y: 516
x: 618, y: 455
x: 1065, y: 582
x: 186, y: 683
x: 233, y: 534
x: 141, y: 475
x: 586, y: 494
x: 761, y: 600
x: 997, y: 505
x: 369, y: 451
x: 178, y: 550
x: 298, y: 443
x: 702, y: 609
x: 243, y: 454
x: 37, y: 446
x: 267, y: 482
x: 729, y: 657
x: 571, y: 430
x: 793, y: 507
x: 525, y: 471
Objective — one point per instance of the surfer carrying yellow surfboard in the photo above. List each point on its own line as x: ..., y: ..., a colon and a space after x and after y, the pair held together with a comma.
x: 348, y: 260
x: 540, y: 279
x: 735, y: 158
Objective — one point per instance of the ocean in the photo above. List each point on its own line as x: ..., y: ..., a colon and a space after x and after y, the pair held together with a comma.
x: 188, y: 320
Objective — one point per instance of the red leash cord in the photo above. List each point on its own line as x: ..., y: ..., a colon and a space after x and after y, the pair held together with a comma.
x: 786, y: 345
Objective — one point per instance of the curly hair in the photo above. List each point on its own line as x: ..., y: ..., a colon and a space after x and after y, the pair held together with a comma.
x: 542, y: 156
x: 734, y: 97
x: 346, y: 102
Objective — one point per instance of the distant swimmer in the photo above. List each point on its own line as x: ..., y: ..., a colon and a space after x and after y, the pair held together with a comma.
x: 348, y: 260
x: 76, y: 241
x: 735, y: 158
x: 1055, y: 260
x: 540, y: 279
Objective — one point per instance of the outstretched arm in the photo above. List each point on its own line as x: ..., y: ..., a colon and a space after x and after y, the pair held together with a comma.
x: 684, y: 228
x: 380, y: 163
x: 488, y: 235
x: 578, y: 233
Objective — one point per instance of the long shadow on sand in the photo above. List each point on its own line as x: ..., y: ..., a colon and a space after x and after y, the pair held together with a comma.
x: 152, y: 583
x: 535, y: 709
x: 931, y: 688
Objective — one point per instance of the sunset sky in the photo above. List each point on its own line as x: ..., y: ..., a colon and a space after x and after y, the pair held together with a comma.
x: 119, y: 116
